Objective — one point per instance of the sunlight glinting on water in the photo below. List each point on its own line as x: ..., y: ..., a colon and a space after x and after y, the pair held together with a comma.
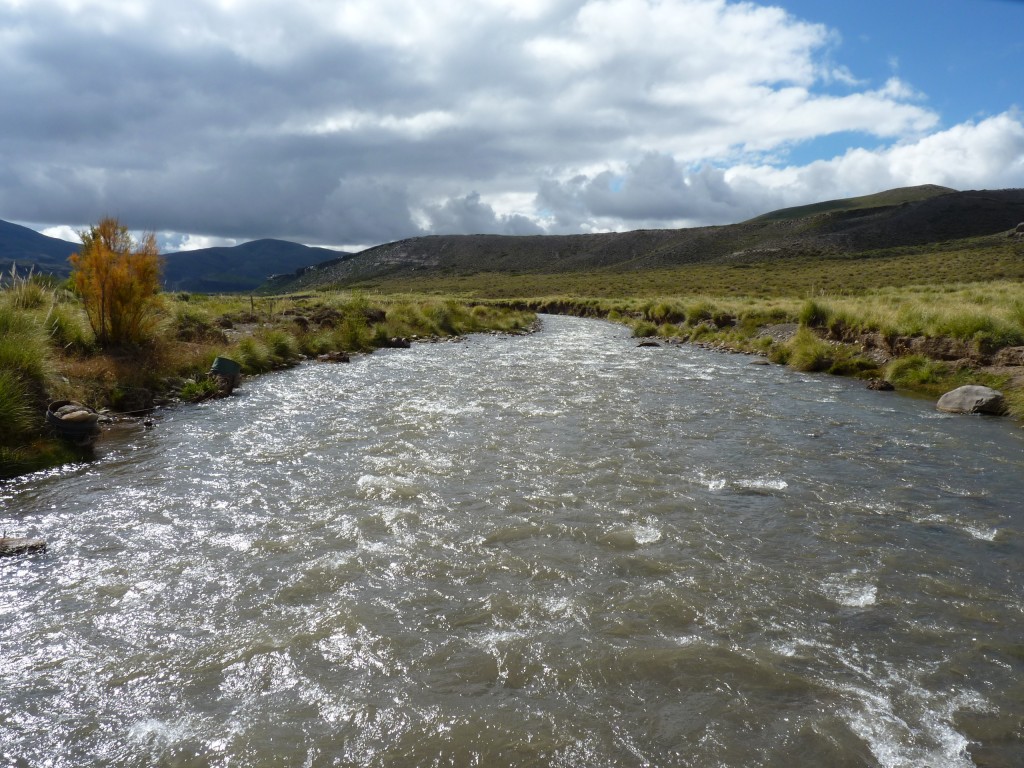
x: 553, y: 550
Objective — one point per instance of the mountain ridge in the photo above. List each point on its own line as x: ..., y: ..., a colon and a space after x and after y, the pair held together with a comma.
x: 909, y: 216
x: 905, y: 216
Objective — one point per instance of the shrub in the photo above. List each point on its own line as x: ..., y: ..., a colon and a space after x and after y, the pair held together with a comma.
x: 118, y: 280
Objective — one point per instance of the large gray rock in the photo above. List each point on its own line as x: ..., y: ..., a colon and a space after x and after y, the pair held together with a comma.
x: 973, y: 399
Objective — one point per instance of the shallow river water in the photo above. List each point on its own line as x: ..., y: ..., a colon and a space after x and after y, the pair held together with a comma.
x: 553, y: 550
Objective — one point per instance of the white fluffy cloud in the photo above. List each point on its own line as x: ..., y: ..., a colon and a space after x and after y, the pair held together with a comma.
x: 363, y: 121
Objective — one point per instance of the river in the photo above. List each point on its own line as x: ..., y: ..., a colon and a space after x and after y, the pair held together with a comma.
x: 552, y: 550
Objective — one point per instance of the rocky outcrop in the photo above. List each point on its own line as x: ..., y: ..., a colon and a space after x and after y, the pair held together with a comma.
x: 1009, y: 356
x: 973, y: 399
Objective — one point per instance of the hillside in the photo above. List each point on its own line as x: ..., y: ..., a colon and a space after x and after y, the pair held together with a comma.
x: 239, y: 268
x: 31, y: 250
x: 878, y: 200
x: 906, y: 217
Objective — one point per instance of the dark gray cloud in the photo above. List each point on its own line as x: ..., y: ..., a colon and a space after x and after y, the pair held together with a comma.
x: 363, y: 121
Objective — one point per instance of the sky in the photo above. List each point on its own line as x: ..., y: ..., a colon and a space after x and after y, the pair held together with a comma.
x: 349, y: 123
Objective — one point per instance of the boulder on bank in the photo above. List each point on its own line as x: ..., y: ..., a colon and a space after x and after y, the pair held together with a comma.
x: 973, y: 399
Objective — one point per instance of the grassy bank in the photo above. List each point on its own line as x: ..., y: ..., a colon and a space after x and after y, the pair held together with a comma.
x: 923, y: 339
x: 48, y: 351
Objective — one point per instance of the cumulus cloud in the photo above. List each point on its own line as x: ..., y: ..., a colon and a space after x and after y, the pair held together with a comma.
x: 469, y: 215
x: 362, y: 121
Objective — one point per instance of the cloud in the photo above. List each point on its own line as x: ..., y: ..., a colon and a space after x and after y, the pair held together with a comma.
x: 362, y: 121
x: 658, y: 191
x: 470, y: 215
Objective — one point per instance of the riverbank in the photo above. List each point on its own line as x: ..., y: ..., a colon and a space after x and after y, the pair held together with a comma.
x: 48, y: 352
x: 547, y: 550
x: 923, y: 341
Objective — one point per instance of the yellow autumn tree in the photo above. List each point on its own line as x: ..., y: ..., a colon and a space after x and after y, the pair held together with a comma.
x: 118, y: 279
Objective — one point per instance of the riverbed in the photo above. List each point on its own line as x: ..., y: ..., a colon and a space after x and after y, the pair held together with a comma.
x: 553, y: 550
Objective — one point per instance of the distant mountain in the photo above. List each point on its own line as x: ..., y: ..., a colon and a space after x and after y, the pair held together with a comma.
x: 240, y: 268
x: 908, y: 216
x: 31, y: 250
x: 208, y: 270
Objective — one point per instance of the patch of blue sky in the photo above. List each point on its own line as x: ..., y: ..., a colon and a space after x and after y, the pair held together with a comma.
x: 964, y: 57
x: 825, y: 148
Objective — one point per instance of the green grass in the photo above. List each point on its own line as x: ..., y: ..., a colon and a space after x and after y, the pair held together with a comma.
x: 890, y: 197
x: 202, y: 388
x: 18, y: 417
x: 958, y: 262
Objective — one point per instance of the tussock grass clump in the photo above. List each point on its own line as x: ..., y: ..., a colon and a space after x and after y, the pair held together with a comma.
x: 281, y: 346
x: 68, y: 329
x: 700, y: 312
x: 354, y: 334
x: 197, y: 390
x: 664, y: 312
x: 253, y: 355
x: 24, y: 348
x: 192, y: 322
x: 443, y: 317
x: 916, y: 371
x: 814, y: 314
x: 644, y: 329
x: 17, y: 414
x: 1015, y: 403
x: 807, y: 352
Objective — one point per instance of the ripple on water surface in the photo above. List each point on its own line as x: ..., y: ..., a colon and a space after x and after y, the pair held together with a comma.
x: 553, y: 550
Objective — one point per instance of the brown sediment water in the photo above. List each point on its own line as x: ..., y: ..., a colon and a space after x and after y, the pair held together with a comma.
x: 554, y: 550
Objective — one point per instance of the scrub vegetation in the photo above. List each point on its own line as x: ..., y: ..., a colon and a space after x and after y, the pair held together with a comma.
x: 53, y: 348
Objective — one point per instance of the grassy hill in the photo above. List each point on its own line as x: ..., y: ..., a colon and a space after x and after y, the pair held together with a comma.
x: 904, y: 218
x: 878, y: 200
